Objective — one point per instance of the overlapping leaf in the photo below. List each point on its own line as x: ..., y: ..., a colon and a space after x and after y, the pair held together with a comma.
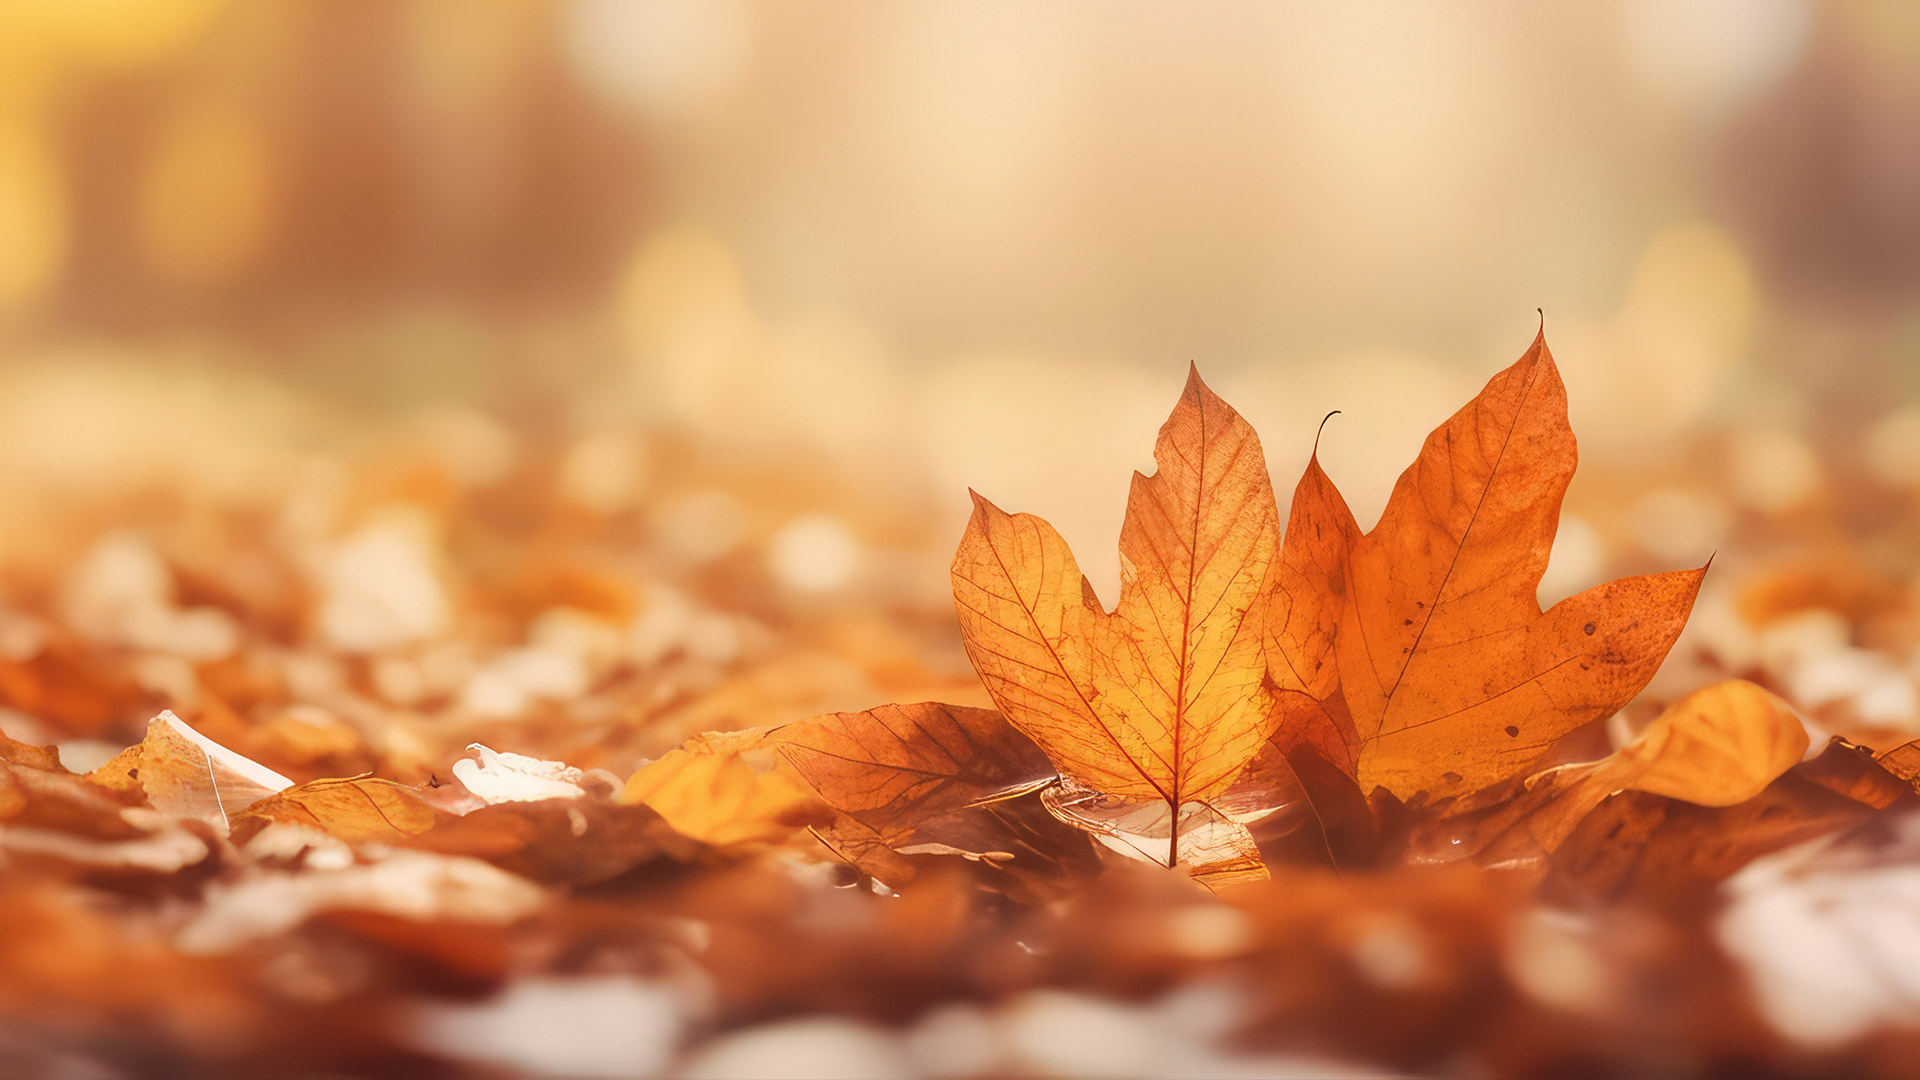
x: 1414, y: 656
x: 1719, y: 746
x: 1450, y: 674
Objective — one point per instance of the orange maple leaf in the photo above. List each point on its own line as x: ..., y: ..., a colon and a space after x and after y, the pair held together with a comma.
x: 1165, y: 699
x: 1421, y: 645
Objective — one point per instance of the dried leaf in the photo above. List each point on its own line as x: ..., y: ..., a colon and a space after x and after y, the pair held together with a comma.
x: 1164, y: 700
x: 1640, y: 845
x: 932, y: 779
x: 728, y: 789
x: 1903, y: 761
x: 572, y: 839
x: 560, y: 841
x: 41, y: 758
x: 358, y: 810
x: 185, y: 774
x: 1452, y: 675
x: 1718, y: 746
x: 1315, y: 812
x: 903, y: 763
x: 1303, y: 616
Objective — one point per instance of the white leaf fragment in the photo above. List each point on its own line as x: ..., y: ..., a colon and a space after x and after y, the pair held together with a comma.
x: 501, y: 777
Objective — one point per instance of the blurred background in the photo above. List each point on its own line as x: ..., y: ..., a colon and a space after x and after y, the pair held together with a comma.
x: 578, y: 376
x: 764, y: 288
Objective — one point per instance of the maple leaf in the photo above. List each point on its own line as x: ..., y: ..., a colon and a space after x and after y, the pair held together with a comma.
x: 1159, y: 704
x: 1446, y: 676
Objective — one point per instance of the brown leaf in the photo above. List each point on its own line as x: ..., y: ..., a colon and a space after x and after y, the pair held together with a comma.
x: 910, y: 775
x: 902, y: 763
x: 1903, y: 761
x: 41, y: 758
x: 37, y: 791
x: 575, y: 840
x: 1649, y: 847
x: 1317, y: 812
x: 358, y: 810
x: 562, y: 841
x: 1718, y: 746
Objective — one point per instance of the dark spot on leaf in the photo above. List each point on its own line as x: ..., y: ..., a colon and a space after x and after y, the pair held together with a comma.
x: 1406, y: 622
x: 133, y: 774
x: 1513, y: 731
x: 1589, y: 628
x: 1450, y: 777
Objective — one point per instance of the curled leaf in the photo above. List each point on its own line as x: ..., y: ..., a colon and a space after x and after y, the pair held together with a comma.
x: 1719, y: 746
x: 1640, y: 845
x: 185, y: 774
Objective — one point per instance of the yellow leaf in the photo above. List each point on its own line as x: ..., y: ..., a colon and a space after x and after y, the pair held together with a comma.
x: 1165, y: 699
x: 727, y: 789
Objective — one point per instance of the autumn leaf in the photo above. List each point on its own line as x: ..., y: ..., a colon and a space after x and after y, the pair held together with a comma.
x: 358, y: 810
x: 575, y: 842
x: 1903, y: 761
x: 37, y: 791
x: 1448, y: 671
x: 889, y: 785
x: 38, y: 758
x: 558, y: 833
x: 1717, y: 747
x: 728, y: 789
x: 932, y: 779
x: 1304, y: 608
x: 1163, y: 701
x: 1305, y: 808
x: 904, y: 763
x: 183, y: 773
x: 1643, y: 844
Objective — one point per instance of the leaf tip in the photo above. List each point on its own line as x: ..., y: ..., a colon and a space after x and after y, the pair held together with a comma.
x: 1314, y: 457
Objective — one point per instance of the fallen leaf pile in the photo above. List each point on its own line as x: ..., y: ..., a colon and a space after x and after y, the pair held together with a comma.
x: 1305, y: 800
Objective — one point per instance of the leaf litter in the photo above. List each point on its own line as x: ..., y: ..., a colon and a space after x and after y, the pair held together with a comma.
x: 507, y: 784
